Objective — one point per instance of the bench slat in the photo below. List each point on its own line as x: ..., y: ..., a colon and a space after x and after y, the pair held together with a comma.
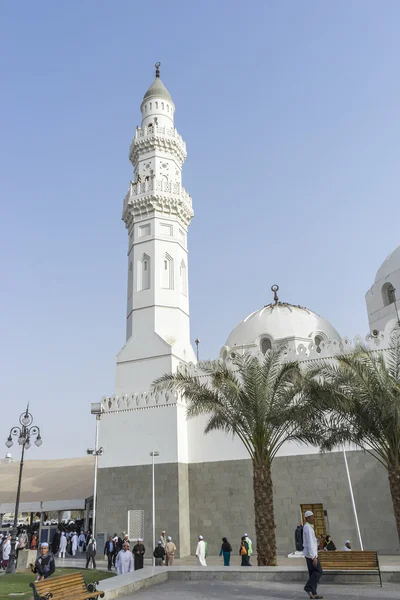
x: 65, y: 587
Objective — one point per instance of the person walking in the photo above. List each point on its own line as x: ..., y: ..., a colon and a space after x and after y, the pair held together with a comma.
x: 91, y: 553
x: 250, y: 549
x: 55, y: 542
x: 225, y: 551
x: 163, y: 539
x: 81, y: 542
x: 159, y: 554
x: 138, y: 554
x: 244, y: 552
x: 170, y: 550
x: 45, y: 564
x: 6, y: 546
x: 63, y: 546
x: 310, y: 552
x: 201, y: 552
x: 124, y: 561
x: 74, y: 543
x: 109, y: 552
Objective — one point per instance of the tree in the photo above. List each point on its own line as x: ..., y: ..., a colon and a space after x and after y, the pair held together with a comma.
x: 358, y: 394
x: 258, y: 401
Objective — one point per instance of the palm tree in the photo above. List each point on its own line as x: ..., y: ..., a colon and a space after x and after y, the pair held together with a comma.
x: 258, y: 401
x: 358, y: 395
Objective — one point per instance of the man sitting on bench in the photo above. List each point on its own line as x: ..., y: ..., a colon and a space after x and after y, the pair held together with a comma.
x: 44, y: 564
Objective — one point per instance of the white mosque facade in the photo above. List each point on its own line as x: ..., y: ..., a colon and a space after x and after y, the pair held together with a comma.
x: 203, y: 484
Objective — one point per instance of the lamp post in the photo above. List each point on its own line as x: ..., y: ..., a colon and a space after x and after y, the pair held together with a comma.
x: 25, y: 432
x: 96, y: 409
x: 153, y: 455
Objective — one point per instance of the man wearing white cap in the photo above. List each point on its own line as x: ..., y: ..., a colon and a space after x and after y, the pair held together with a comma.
x: 44, y: 565
x: 138, y: 554
x: 170, y: 550
x: 310, y: 552
x: 201, y: 552
x: 124, y: 561
x: 347, y: 546
x: 250, y: 545
x: 74, y: 543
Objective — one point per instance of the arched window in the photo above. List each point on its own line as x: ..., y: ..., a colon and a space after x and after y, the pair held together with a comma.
x: 145, y: 107
x: 144, y: 273
x: 318, y: 341
x: 151, y: 105
x: 183, y: 278
x: 388, y: 294
x: 265, y: 345
x: 162, y: 105
x: 156, y: 104
x: 167, y: 107
x: 167, y: 272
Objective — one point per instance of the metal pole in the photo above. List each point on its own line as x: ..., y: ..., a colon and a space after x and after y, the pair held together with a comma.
x: 96, y: 459
x: 352, y: 499
x: 11, y: 561
x: 154, y: 512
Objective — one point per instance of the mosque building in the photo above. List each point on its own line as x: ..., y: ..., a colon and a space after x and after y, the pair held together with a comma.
x: 203, y: 484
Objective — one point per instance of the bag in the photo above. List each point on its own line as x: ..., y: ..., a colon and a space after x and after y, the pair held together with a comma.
x: 243, y: 550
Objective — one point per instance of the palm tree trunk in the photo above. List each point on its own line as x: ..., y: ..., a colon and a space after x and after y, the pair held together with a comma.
x: 394, y: 482
x: 264, y: 514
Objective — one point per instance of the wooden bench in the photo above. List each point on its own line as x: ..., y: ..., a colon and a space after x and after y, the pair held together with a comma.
x: 365, y: 561
x: 66, y: 587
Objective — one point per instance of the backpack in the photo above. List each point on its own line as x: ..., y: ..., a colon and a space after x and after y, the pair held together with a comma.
x: 298, y: 538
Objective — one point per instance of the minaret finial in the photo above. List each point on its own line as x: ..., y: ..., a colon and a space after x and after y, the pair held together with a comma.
x: 157, y: 66
x: 275, y: 288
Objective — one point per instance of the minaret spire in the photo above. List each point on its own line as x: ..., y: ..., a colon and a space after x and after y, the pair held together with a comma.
x: 157, y: 66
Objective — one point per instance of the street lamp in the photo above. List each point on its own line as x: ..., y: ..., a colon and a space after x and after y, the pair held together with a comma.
x: 153, y: 455
x: 26, y: 432
x: 96, y: 409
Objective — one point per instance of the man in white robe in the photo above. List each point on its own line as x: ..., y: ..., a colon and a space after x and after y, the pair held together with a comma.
x: 201, y: 553
x: 124, y: 562
x: 81, y: 541
x: 74, y: 543
x: 63, y: 546
x: 347, y: 546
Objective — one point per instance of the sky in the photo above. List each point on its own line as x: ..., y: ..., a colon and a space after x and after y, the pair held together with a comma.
x: 290, y: 112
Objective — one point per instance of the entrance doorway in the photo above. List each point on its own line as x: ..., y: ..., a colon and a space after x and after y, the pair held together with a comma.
x: 319, y: 523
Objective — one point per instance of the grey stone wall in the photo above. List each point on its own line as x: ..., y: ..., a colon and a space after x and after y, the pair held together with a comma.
x: 221, y: 498
x: 130, y: 488
x: 216, y: 499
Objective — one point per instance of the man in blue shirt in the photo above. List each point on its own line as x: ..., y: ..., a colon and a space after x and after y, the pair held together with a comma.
x: 109, y: 551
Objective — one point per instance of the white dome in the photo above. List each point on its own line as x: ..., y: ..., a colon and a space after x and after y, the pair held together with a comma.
x: 280, y: 321
x: 390, y: 265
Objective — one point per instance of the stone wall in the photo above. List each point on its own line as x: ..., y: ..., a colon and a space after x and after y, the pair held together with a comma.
x: 222, y: 499
x: 215, y: 499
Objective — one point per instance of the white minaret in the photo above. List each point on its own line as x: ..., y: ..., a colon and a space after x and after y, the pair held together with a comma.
x: 157, y: 212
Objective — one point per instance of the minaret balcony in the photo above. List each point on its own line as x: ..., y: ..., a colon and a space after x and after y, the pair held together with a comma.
x: 162, y: 195
x: 162, y: 137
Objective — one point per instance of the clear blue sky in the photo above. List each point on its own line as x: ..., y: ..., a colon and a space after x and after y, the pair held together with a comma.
x: 290, y: 111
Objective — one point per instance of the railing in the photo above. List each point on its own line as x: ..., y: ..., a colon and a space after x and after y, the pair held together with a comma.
x: 156, y: 130
x: 158, y: 186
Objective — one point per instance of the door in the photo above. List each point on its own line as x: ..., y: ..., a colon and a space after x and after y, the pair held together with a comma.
x: 319, y: 523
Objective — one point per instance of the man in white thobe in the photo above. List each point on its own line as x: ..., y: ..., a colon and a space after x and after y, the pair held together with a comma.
x: 63, y: 546
x: 347, y: 546
x: 81, y: 541
x: 124, y: 562
x: 74, y: 543
x: 201, y: 552
x: 310, y: 552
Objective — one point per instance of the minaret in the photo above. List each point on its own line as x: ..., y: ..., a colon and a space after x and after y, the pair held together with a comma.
x: 157, y: 212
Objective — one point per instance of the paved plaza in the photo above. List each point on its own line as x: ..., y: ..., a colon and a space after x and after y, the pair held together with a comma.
x: 234, y: 590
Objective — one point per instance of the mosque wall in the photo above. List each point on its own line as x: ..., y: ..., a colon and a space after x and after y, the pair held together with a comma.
x: 221, y: 500
x: 215, y: 499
